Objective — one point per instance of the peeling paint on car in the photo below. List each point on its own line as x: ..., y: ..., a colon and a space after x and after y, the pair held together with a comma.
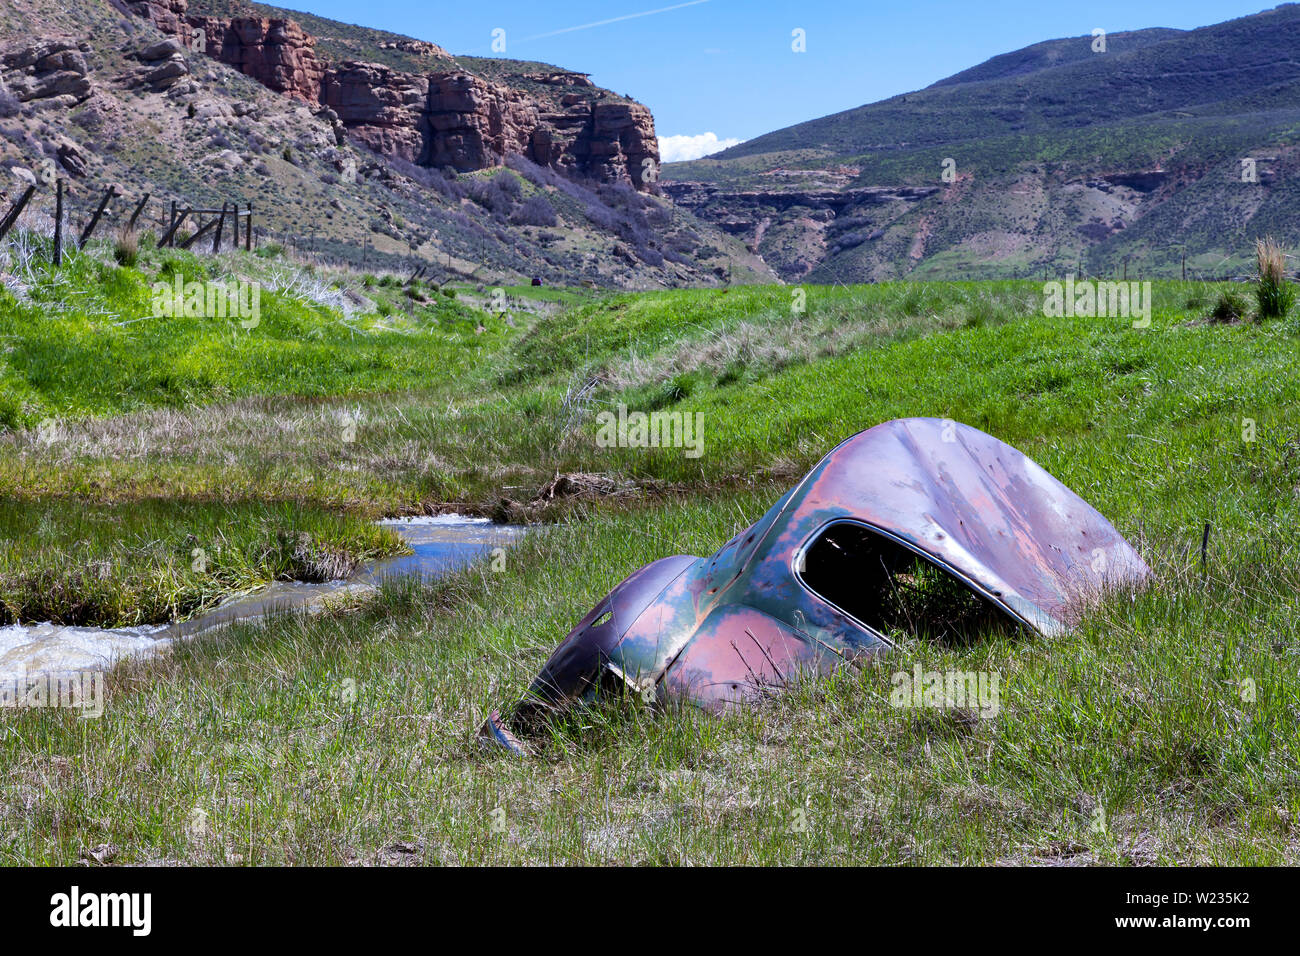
x: 725, y: 630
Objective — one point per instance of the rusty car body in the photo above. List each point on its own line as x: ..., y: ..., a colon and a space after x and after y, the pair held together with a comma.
x: 810, y: 585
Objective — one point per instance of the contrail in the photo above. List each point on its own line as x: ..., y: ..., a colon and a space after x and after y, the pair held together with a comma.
x: 601, y: 23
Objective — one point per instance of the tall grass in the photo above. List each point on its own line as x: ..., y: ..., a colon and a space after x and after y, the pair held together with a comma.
x: 126, y: 250
x: 1160, y: 731
x: 1273, y: 292
x: 82, y: 340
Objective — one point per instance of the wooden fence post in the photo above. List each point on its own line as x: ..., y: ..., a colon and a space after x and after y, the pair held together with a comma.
x: 136, y: 215
x: 221, y: 224
x: 58, y: 223
x: 89, y: 231
x: 195, y: 238
x: 17, y: 210
x: 248, y: 230
x: 169, y: 237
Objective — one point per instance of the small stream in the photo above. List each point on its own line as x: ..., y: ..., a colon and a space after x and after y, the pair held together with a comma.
x: 441, y: 544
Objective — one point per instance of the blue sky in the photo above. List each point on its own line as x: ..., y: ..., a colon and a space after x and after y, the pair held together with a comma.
x: 725, y: 68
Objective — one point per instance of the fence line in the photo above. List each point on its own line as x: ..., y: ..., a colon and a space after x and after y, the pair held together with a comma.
x: 172, y: 223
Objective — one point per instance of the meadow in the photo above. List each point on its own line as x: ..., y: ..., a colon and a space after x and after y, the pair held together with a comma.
x: 1161, y: 730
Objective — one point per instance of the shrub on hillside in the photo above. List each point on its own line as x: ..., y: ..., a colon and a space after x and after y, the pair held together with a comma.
x: 542, y: 176
x: 601, y: 216
x: 89, y: 119
x: 535, y: 211
x: 497, y: 194
x: 20, y: 137
x: 650, y: 256
x: 441, y: 181
x: 508, y: 186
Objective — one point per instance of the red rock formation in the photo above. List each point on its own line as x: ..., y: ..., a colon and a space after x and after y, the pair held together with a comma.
x: 167, y: 15
x: 277, y: 53
x: 450, y: 118
x: 418, y: 47
x: 621, y: 144
x: 379, y: 107
x: 475, y: 123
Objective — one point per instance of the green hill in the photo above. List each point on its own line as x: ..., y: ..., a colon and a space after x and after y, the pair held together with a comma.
x: 1052, y: 157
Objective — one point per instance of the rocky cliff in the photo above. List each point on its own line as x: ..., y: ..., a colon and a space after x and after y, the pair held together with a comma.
x: 445, y: 116
x: 167, y: 15
x: 794, y: 229
x: 277, y: 53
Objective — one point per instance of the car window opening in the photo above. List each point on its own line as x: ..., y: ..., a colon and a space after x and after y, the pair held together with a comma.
x: 894, y: 590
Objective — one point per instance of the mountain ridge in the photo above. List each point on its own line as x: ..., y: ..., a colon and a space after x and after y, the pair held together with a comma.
x: 1014, y: 148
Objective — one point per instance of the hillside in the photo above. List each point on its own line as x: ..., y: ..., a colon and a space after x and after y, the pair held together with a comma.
x: 354, y: 145
x: 1052, y: 158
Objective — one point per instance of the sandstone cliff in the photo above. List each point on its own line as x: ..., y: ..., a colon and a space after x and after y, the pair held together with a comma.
x: 277, y: 53
x: 446, y: 116
x: 167, y: 15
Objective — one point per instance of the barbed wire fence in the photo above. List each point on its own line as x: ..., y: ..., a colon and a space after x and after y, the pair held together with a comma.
x: 232, y: 225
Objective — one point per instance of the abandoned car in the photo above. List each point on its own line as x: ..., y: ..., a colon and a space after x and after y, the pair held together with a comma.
x: 919, y: 525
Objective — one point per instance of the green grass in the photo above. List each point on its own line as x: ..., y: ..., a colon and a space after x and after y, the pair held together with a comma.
x: 156, y: 561
x: 1140, y: 713
x: 1160, y: 730
x: 85, y: 341
x: 83, y: 345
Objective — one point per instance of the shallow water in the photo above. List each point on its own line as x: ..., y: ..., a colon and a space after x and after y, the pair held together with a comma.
x: 441, y: 544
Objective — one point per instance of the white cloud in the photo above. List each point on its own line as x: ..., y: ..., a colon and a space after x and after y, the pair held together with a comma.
x: 675, y: 149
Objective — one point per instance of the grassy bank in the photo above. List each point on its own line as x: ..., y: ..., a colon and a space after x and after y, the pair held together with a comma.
x: 125, y: 539
x: 1127, y: 741
x: 157, y: 560
x: 495, y: 415
x: 1161, y: 730
x: 83, y: 340
x: 776, y: 387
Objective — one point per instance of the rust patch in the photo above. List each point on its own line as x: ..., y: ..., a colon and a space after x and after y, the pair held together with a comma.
x: 725, y: 630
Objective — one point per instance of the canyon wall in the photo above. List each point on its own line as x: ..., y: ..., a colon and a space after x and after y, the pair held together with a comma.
x: 277, y: 53
x: 445, y: 117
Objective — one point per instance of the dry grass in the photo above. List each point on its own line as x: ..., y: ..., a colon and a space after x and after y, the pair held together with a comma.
x: 126, y: 251
x: 778, y: 338
x: 1273, y: 292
